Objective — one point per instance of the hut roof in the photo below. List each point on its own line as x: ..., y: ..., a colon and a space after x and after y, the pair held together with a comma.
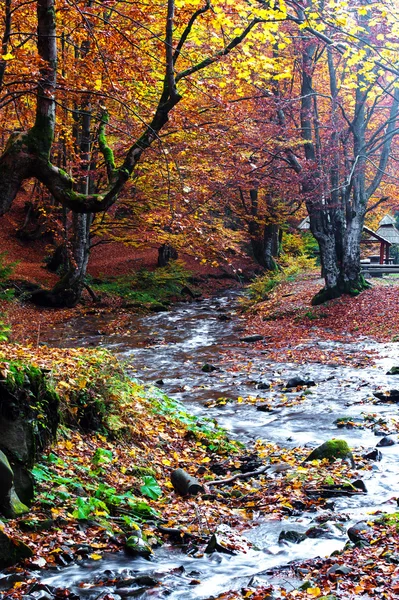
x: 389, y: 232
x: 387, y: 221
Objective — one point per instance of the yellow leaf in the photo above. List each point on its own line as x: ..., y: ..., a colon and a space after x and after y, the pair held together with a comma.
x: 98, y: 84
x: 95, y: 556
x: 206, y: 459
x: 68, y: 445
x: 166, y: 462
x: 314, y: 592
x: 64, y: 384
x: 7, y: 56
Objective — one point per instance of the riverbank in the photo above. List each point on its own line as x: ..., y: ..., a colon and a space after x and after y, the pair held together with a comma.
x: 195, y: 354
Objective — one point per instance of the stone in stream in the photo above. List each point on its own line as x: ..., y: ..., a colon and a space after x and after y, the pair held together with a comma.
x: 226, y: 541
x: 299, y: 381
x: 263, y: 385
x: 333, y: 449
x: 385, y: 442
x: 292, y: 536
x: 207, y: 368
x: 251, y: 338
x: 136, y: 546
x: 393, y: 371
x: 224, y: 317
x: 388, y: 396
x: 373, y: 455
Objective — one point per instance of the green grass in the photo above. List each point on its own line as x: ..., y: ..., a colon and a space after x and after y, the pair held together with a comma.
x: 147, y: 288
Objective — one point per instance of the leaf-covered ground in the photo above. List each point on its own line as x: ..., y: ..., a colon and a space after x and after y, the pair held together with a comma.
x: 291, y: 326
x: 94, y: 489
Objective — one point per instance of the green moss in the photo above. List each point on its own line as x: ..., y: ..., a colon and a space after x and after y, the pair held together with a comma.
x: 332, y: 450
x: 17, y: 507
x: 352, y: 288
x: 140, y: 471
x: 40, y: 138
x: 149, y: 290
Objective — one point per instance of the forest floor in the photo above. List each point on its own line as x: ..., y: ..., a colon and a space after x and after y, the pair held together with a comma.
x: 130, y: 492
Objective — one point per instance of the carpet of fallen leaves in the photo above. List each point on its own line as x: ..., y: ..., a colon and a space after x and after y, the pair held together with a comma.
x: 165, y: 439
x: 291, y: 327
x: 159, y: 436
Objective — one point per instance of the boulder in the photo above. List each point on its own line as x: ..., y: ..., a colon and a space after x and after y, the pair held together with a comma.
x: 385, y: 442
x: 299, y: 381
x: 393, y: 371
x: 10, y: 504
x: 136, y: 546
x: 332, y: 450
x: 387, y: 396
x: 207, y: 368
x: 360, y: 532
x: 28, y: 422
x: 12, y: 550
x: 292, y: 536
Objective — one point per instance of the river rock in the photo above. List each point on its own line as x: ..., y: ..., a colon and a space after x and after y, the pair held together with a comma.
x: 360, y: 532
x: 207, y: 368
x: 385, y: 442
x: 263, y: 385
x: 224, y: 317
x: 299, y: 381
x: 339, y: 570
x: 136, y: 546
x: 359, y: 485
x: 388, y: 396
x: 251, y: 338
x: 12, y: 550
x: 333, y: 449
x: 226, y: 541
x: 292, y: 536
x: 393, y: 371
x: 373, y: 455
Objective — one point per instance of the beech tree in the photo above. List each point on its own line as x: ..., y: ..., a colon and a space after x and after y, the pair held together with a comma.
x: 28, y: 153
x: 349, y: 109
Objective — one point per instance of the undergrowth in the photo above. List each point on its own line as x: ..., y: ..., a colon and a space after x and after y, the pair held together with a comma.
x: 147, y: 288
x: 6, y: 270
x: 263, y: 285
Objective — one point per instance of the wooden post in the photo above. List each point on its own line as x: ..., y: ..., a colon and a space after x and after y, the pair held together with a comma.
x: 382, y: 253
x: 387, y: 254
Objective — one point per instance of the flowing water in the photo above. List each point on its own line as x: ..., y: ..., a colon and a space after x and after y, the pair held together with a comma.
x: 170, y: 348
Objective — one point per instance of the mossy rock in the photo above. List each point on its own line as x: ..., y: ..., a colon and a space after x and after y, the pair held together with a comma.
x: 332, y: 450
x: 12, y: 551
x: 6, y: 476
x: 17, y: 507
x: 136, y: 546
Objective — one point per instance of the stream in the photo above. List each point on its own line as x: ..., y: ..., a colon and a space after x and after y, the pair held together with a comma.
x: 169, y: 349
